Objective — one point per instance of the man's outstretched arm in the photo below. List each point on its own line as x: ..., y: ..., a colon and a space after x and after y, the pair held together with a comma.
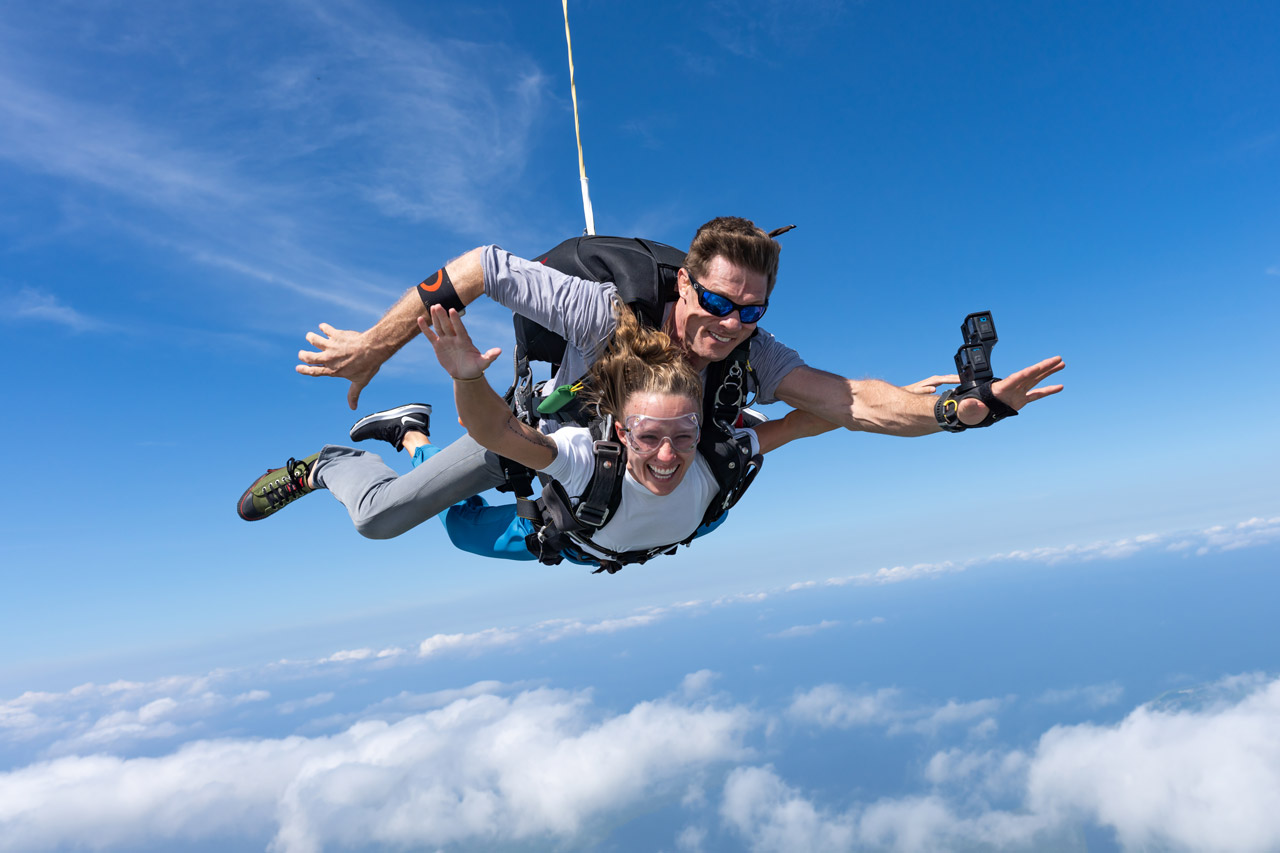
x: 357, y: 356
x: 870, y: 405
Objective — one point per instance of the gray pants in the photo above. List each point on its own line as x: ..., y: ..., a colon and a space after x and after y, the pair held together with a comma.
x: 382, y: 504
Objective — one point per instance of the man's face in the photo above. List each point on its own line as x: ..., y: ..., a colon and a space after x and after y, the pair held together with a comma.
x: 708, y: 338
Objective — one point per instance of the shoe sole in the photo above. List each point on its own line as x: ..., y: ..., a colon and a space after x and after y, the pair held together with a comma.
x: 390, y: 414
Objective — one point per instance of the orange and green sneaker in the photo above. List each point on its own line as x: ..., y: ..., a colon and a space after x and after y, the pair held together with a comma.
x: 276, y: 489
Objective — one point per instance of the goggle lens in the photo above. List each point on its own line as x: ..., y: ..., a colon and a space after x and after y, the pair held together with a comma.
x: 722, y: 306
x: 646, y: 434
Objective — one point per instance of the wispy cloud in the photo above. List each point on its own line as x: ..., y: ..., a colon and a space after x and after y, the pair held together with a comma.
x: 305, y: 704
x: 754, y: 28
x: 1253, y: 532
x: 32, y: 305
x: 219, y: 161
x: 1091, y: 696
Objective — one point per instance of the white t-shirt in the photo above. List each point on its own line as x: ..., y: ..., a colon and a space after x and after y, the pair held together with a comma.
x: 643, y: 519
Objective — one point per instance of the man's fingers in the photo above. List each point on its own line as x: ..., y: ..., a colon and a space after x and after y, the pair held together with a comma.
x: 353, y: 394
x: 1044, y: 392
x: 315, y: 370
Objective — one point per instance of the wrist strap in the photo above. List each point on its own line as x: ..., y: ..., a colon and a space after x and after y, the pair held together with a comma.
x: 947, y: 409
x: 438, y: 290
x: 947, y: 413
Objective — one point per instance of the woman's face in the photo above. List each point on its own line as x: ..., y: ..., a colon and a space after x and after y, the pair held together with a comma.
x: 668, y: 421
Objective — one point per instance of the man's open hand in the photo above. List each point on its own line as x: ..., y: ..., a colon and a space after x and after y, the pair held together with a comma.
x: 341, y: 353
x: 1015, y: 390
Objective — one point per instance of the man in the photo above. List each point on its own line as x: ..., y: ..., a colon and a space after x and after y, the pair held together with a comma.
x: 726, y: 281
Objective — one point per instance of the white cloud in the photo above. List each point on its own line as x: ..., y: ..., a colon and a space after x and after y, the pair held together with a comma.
x: 690, y: 839
x: 1202, y: 779
x: 363, y: 654
x: 834, y: 706
x: 775, y: 817
x: 1196, y: 770
x: 698, y: 683
x: 117, y: 715
x: 486, y: 639
x: 543, y: 764
x: 804, y: 630
x: 771, y: 815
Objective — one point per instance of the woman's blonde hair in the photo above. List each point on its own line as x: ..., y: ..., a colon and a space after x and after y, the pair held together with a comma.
x: 639, y: 360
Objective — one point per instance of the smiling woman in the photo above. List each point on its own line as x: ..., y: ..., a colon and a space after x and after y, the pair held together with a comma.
x: 648, y: 398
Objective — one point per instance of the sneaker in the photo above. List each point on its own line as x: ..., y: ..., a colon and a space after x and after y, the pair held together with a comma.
x: 276, y: 488
x: 391, y: 425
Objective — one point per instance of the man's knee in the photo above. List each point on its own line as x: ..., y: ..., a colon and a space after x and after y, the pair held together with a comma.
x: 379, y: 526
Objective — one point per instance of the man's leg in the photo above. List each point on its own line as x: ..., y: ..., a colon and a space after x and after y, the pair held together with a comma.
x: 383, y: 505
x: 474, y: 526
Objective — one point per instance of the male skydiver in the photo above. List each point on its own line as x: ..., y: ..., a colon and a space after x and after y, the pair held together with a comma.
x: 723, y: 290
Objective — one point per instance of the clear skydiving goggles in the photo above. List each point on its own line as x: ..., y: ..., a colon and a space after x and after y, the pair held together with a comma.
x: 645, y: 434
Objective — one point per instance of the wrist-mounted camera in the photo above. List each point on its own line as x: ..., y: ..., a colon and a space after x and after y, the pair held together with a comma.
x: 973, y: 365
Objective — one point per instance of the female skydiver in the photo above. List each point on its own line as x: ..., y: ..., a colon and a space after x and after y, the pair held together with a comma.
x: 654, y: 397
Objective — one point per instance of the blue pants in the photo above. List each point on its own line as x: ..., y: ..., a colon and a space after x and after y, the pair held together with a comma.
x: 477, y: 528
x: 496, y: 531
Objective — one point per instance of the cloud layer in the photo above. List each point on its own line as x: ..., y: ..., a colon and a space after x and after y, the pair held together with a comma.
x: 1203, y: 777
x: 334, y: 753
x: 544, y: 763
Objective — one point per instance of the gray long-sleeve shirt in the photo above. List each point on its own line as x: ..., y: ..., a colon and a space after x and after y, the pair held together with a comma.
x: 581, y: 312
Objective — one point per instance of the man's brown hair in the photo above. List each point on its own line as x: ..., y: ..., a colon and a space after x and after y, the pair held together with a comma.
x: 738, y: 241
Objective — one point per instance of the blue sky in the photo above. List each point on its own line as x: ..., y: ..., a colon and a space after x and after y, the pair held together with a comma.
x: 187, y: 191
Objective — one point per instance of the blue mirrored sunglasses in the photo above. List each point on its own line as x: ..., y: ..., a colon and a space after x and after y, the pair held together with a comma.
x: 721, y: 306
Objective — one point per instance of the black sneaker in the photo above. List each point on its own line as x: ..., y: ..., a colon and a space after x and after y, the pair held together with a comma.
x: 276, y: 489
x: 391, y: 425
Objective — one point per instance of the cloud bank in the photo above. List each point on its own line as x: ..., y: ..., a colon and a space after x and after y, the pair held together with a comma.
x: 1204, y: 777
x: 542, y: 764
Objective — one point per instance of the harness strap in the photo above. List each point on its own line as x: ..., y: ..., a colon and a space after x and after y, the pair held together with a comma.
x: 604, y: 490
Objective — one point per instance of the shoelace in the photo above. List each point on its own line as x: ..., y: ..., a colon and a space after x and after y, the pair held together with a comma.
x: 287, y: 488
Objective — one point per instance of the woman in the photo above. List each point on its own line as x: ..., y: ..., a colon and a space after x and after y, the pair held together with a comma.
x: 653, y: 395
